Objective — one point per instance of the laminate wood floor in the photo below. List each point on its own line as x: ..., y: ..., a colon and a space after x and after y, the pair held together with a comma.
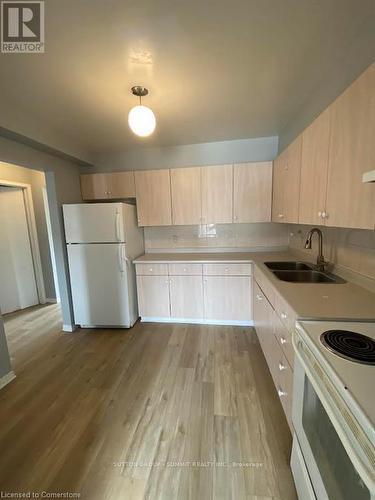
x: 156, y: 412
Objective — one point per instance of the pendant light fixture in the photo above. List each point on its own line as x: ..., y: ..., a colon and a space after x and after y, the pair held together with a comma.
x: 141, y: 119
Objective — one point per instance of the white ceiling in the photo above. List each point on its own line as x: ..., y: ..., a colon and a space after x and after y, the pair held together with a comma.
x: 216, y: 70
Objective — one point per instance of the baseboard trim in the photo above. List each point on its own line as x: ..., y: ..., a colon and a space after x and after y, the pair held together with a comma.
x: 150, y: 319
x: 51, y: 300
x: 69, y: 328
x: 6, y: 379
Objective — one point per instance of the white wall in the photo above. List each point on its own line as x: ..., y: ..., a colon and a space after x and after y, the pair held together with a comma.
x: 209, y: 153
x: 62, y: 180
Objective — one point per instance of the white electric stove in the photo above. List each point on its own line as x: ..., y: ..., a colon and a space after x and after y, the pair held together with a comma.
x: 334, y: 410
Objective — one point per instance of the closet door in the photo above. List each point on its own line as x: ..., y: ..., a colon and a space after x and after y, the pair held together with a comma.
x: 18, y: 286
x: 217, y: 194
x: 186, y: 196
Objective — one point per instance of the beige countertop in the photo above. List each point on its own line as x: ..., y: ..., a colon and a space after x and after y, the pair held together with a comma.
x: 309, y: 301
x: 196, y: 257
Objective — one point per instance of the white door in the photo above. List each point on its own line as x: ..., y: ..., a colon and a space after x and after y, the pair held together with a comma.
x: 17, y: 278
x: 98, y: 276
x: 94, y: 223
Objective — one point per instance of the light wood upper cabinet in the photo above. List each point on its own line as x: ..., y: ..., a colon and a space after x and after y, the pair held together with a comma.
x: 217, y: 194
x: 350, y: 203
x: 186, y: 196
x: 279, y: 179
x: 94, y: 186
x: 252, y: 188
x: 121, y: 185
x: 153, y: 194
x: 102, y: 186
x: 286, y: 183
x: 314, y: 169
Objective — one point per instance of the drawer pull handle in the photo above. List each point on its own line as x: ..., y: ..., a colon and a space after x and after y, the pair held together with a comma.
x: 283, y: 315
x: 150, y: 269
x: 185, y: 269
x: 282, y: 367
x: 282, y: 340
x: 281, y: 393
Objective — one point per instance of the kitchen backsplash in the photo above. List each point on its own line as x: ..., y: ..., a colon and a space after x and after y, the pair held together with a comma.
x: 216, y: 236
x: 351, y: 249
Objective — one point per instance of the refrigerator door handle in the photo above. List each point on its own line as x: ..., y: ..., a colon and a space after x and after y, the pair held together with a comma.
x: 117, y: 226
x: 121, y: 258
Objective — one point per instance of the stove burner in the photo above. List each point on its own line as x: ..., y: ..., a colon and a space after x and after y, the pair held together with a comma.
x: 350, y: 345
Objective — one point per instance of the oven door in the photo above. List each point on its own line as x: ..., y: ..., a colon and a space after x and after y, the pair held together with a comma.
x: 331, y: 471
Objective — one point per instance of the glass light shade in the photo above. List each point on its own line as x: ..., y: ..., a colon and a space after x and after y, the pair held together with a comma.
x: 141, y: 120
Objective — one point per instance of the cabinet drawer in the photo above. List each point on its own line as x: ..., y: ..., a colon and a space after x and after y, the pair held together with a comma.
x: 284, y: 337
x: 228, y: 269
x: 151, y: 269
x: 265, y: 285
x: 185, y: 269
x: 282, y: 375
x: 285, y: 313
x: 285, y: 387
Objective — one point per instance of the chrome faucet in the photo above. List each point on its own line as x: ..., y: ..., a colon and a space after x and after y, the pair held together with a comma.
x: 320, y: 262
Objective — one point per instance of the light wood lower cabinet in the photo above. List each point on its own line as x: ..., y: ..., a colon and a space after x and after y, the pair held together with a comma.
x: 278, y: 354
x: 186, y: 295
x: 153, y: 296
x: 227, y: 298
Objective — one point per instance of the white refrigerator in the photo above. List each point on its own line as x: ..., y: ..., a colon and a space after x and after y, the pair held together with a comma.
x: 102, y: 241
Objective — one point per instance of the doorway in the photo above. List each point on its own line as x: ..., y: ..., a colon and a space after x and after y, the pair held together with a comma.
x: 19, y: 288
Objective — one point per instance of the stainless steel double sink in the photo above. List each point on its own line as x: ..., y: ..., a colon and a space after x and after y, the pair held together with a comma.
x: 301, y: 272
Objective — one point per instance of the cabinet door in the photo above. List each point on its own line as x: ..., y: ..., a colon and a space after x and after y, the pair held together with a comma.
x: 153, y: 296
x: 94, y: 186
x: 292, y: 182
x: 286, y: 183
x: 153, y: 193
x: 259, y: 314
x: 252, y: 193
x: 121, y: 185
x: 186, y: 294
x: 350, y: 203
x: 186, y: 196
x: 217, y: 194
x: 279, y: 188
x: 227, y: 298
x: 314, y: 167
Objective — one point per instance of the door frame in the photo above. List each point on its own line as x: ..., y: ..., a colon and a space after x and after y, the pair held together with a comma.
x: 33, y: 235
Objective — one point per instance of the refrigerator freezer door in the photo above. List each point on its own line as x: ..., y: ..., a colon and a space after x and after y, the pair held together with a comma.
x: 98, y: 275
x: 94, y: 223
